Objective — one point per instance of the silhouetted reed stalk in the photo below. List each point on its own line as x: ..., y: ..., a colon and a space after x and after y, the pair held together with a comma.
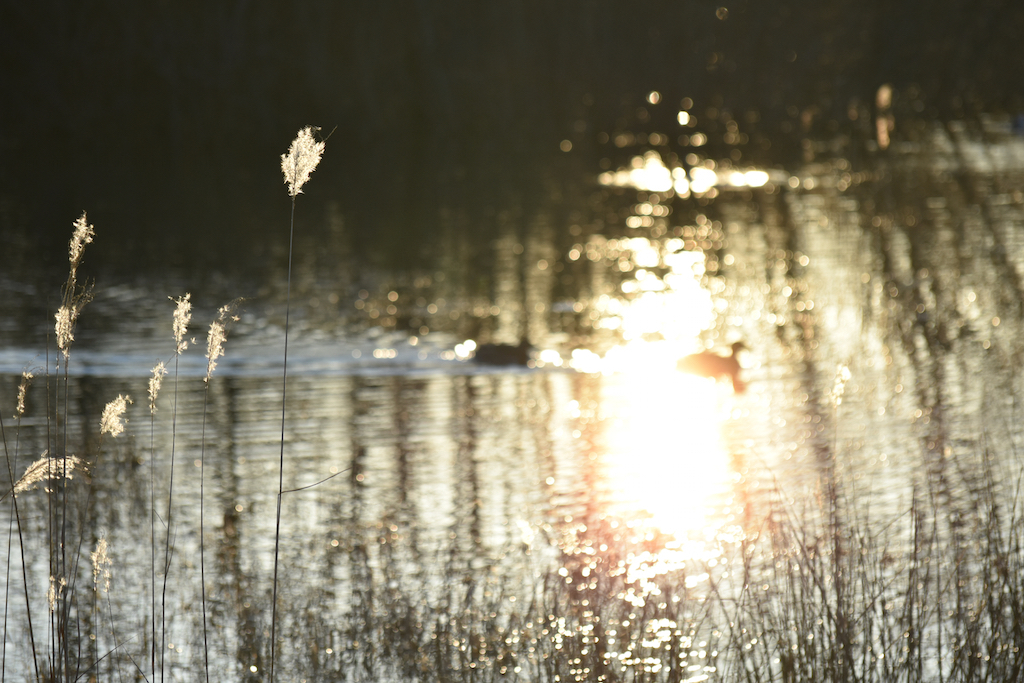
x: 155, y: 382
x: 182, y: 317
x: 10, y: 540
x: 12, y: 467
x: 101, y: 563
x: 215, y: 340
x: 300, y: 161
x: 112, y: 423
x: 73, y: 299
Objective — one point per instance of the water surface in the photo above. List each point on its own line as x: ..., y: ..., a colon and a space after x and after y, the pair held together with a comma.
x: 595, y: 516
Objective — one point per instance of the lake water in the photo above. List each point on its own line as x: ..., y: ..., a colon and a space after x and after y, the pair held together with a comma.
x: 599, y: 516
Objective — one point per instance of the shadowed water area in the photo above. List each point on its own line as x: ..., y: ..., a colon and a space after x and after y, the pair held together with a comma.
x: 600, y: 515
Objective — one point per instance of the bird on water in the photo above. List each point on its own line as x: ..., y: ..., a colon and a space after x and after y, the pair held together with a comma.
x: 708, y: 364
x: 503, y: 354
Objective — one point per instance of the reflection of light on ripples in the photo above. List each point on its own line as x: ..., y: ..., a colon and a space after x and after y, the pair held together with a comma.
x: 674, y: 307
x: 650, y: 174
x: 664, y: 450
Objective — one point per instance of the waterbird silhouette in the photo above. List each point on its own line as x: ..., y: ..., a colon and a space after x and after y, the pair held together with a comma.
x: 503, y: 354
x: 708, y: 364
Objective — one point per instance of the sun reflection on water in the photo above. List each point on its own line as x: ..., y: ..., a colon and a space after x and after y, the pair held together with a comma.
x: 650, y: 173
x: 665, y: 452
x: 664, y: 447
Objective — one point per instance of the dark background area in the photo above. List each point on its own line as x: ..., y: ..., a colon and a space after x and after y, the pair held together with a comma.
x: 165, y: 120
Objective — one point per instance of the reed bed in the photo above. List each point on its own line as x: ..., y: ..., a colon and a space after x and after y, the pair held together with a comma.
x: 811, y: 593
x: 68, y: 650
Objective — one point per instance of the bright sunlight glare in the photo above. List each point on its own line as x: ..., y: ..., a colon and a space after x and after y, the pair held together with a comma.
x: 665, y: 456
x: 650, y: 174
x: 665, y: 451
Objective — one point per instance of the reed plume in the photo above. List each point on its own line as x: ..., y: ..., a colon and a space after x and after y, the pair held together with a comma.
x: 112, y: 421
x: 74, y: 298
x: 217, y: 337
x: 101, y: 564
x: 182, y: 317
x: 26, y: 379
x: 48, y: 468
x: 82, y: 236
x: 155, y: 382
x: 55, y: 591
x: 301, y: 160
x: 65, y: 328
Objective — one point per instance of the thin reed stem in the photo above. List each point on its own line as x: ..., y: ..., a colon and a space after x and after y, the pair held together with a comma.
x: 202, y: 531
x: 113, y: 636
x: 11, y: 469
x: 62, y: 615
x: 51, y: 444
x: 168, y: 522
x: 182, y: 316
x: 152, y: 543
x: 7, y: 584
x: 155, y: 381
x: 280, y: 473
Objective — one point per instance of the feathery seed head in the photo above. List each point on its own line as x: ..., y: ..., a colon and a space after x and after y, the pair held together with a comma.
x: 55, y: 591
x: 65, y: 328
x: 26, y: 378
x: 82, y: 236
x: 159, y: 370
x: 214, y: 346
x: 112, y: 421
x: 182, y: 317
x: 74, y: 298
x: 217, y: 336
x: 101, y: 564
x: 301, y: 160
x: 46, y: 468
